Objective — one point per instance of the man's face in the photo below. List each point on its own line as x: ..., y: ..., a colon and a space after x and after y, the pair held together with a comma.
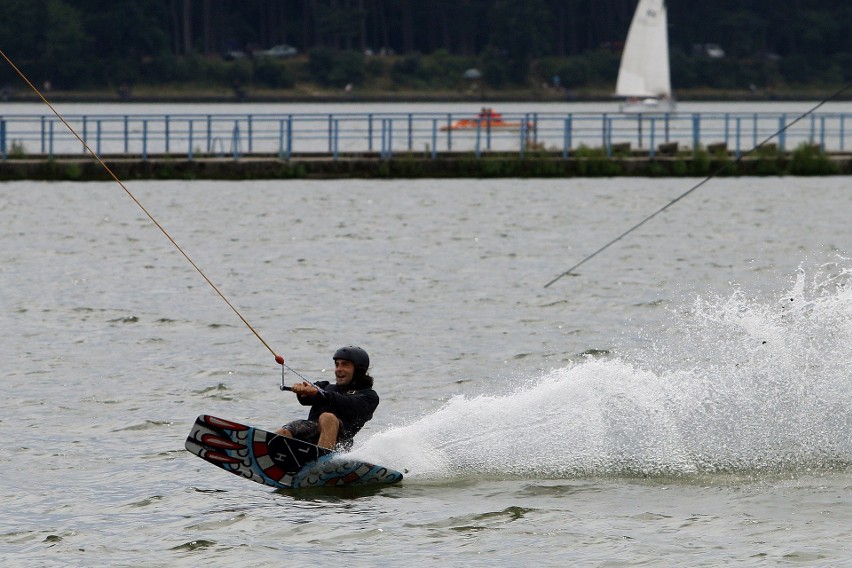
x: 344, y: 371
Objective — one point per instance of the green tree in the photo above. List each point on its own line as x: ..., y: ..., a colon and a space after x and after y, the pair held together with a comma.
x: 77, y: 43
x: 336, y: 68
x: 520, y: 31
x: 63, y: 46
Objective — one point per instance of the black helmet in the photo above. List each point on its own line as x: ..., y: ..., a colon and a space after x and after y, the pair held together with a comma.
x: 356, y: 355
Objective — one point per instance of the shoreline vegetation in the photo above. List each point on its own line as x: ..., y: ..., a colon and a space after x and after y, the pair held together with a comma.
x: 324, y: 75
x: 806, y: 160
x: 316, y: 94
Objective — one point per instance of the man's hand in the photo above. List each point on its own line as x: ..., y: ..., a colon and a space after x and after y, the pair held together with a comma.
x: 304, y: 389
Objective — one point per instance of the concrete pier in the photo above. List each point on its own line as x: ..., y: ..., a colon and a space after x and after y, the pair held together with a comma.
x: 413, y: 165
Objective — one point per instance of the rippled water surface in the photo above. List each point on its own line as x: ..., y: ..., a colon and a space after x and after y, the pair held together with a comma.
x: 683, y: 400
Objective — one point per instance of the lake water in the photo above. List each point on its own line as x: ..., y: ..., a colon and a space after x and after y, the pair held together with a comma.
x: 683, y: 400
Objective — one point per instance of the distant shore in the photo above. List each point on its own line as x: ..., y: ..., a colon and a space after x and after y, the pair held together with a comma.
x: 189, y: 94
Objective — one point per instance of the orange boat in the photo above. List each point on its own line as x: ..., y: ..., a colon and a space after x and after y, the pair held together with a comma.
x: 486, y: 119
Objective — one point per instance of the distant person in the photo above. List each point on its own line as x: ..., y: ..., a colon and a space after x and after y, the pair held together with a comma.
x: 124, y: 91
x: 339, y: 410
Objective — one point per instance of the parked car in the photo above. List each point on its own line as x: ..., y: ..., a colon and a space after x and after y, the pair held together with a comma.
x: 714, y: 51
x: 282, y: 50
x: 711, y: 50
x: 234, y: 55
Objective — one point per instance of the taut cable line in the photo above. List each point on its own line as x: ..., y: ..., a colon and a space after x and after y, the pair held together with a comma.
x: 696, y: 186
x: 278, y: 358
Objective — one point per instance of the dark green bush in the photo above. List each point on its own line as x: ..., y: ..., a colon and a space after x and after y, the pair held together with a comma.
x: 809, y: 160
x: 271, y: 73
x: 336, y: 68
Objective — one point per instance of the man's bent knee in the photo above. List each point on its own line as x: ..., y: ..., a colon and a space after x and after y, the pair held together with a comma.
x: 329, y: 427
x: 328, y: 422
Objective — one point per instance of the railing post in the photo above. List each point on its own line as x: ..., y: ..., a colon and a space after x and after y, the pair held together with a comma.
x: 330, y: 133
x: 250, y: 131
x: 653, y: 149
x: 3, y: 139
x: 754, y: 131
x: 384, y: 139
x: 387, y: 138
x: 813, y: 123
x: 85, y: 128
x: 235, y: 140
x: 608, y: 136
x: 449, y: 132
x: 410, y: 133
x: 281, y: 140
x: 609, y: 130
x: 189, y: 140
x: 166, y: 128
x: 43, y: 133
x: 289, y: 136
x: 126, y: 134
x: 534, y: 125
x: 822, y: 134
x: 336, y: 137
x: 209, y: 133
x: 145, y: 139
x: 370, y: 132
x: 566, y: 137
x: 98, y: 137
x: 842, y: 132
x: 782, y: 133
x: 696, y: 133
x: 639, y: 129
x: 478, y: 137
x: 50, y: 129
x: 603, y: 130
x: 739, y: 130
x: 434, y: 138
x: 390, y: 138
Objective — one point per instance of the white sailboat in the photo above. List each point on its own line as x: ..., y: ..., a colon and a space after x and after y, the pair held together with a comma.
x: 643, y: 78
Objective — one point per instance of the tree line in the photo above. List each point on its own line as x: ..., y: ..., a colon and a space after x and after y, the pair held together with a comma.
x: 78, y: 44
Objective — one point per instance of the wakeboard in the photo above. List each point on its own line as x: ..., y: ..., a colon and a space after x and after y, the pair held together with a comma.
x: 278, y: 461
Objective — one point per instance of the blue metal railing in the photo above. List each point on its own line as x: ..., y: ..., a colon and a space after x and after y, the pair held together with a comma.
x: 429, y: 134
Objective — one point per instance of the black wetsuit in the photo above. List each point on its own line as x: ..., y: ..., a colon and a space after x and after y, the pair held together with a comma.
x: 353, y: 406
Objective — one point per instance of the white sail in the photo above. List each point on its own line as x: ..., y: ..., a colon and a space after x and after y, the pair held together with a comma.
x: 644, y: 70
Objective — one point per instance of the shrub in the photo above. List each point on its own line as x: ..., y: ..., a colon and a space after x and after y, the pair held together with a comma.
x: 809, y: 160
x: 271, y: 73
x: 336, y: 68
x: 407, y: 70
x: 17, y: 150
